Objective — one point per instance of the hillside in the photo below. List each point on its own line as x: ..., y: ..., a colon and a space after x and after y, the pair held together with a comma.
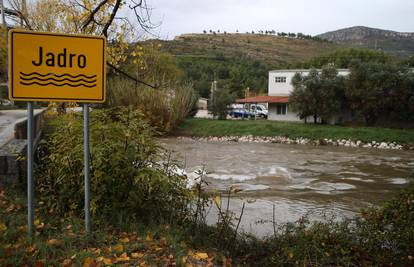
x: 270, y: 49
x: 238, y: 61
x: 398, y: 43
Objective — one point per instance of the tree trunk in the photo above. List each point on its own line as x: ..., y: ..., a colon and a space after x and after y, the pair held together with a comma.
x: 315, y: 119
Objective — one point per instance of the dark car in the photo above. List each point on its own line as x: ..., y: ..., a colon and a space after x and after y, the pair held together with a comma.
x: 240, y: 113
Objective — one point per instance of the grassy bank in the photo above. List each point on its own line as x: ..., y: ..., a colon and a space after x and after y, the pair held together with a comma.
x: 206, y: 127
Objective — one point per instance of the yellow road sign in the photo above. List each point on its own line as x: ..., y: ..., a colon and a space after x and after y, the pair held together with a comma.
x: 56, y: 67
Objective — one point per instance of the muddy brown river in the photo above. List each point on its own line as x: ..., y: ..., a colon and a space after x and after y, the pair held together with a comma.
x: 296, y: 180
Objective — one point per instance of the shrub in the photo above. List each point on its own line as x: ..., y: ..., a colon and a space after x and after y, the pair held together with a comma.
x: 129, y: 176
x: 164, y: 108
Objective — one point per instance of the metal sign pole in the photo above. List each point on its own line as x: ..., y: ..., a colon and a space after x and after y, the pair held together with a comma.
x: 30, y: 210
x: 87, y: 168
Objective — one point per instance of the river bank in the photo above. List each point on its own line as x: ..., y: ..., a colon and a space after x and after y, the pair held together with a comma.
x: 295, y: 133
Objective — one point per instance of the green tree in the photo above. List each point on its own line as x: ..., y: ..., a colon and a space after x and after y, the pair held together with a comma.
x: 319, y: 94
x: 342, y: 58
x: 219, y: 102
x: 380, y: 91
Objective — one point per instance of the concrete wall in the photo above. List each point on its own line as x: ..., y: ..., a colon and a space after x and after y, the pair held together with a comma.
x: 289, y: 116
x: 284, y: 89
x: 13, y: 162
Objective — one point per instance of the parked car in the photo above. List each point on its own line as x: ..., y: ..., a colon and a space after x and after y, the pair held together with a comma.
x: 240, y: 113
x: 261, y: 111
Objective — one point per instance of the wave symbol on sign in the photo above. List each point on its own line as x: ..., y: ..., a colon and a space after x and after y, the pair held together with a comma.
x: 57, y: 80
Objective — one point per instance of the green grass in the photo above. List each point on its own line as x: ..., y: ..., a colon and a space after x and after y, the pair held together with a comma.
x: 206, y: 127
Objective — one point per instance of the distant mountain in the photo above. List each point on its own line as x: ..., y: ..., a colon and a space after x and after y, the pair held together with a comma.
x: 398, y: 43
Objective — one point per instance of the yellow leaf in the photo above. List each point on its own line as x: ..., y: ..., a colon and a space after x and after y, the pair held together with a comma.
x: 37, y: 222
x: 184, y: 259
x: 89, y: 262
x: 123, y: 257
x: 217, y: 200
x: 290, y: 254
x: 31, y: 248
x: 124, y: 240
x: 53, y: 242
x: 107, y: 261
x: 201, y: 256
x: 148, y: 237
x: 3, y: 227
x: 135, y: 255
x: 119, y: 248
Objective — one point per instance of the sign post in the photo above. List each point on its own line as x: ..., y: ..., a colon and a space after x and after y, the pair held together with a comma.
x: 87, y: 168
x: 30, y: 188
x: 52, y: 67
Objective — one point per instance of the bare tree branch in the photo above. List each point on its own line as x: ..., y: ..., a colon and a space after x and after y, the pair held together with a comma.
x: 111, y: 18
x: 17, y: 14
x: 91, y: 16
x: 130, y: 77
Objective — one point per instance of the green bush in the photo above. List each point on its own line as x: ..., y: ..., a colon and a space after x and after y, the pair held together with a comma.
x: 164, y: 108
x: 130, y: 176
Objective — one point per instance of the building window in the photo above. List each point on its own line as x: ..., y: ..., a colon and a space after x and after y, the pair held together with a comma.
x: 280, y: 79
x: 281, y: 109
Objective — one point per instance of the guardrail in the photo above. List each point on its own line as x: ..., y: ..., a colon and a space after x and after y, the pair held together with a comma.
x: 12, y: 155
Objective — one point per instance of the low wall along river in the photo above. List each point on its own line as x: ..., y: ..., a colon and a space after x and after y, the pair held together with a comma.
x: 300, y: 180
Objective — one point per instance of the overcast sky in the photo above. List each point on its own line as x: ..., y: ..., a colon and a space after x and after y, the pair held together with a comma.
x: 307, y: 16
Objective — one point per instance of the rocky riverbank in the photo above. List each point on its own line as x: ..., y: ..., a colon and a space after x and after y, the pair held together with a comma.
x: 305, y: 141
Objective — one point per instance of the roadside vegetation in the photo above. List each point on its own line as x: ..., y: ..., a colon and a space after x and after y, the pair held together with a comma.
x: 207, y: 127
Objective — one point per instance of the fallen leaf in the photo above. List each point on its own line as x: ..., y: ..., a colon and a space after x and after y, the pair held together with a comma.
x: 124, y: 240
x: 107, y: 261
x: 31, y: 248
x: 137, y: 255
x: 39, y: 264
x: 123, y: 257
x: 148, y: 237
x: 3, y: 227
x: 119, y: 248
x: 290, y: 254
x: 96, y: 251
x: 184, y: 259
x: 53, y: 242
x: 201, y: 256
x: 67, y: 263
x: 10, y: 208
x: 89, y: 262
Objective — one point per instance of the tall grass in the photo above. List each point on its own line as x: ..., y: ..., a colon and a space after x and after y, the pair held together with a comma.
x: 164, y: 107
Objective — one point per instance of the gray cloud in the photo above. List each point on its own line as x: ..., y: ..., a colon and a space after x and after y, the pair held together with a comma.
x: 311, y: 17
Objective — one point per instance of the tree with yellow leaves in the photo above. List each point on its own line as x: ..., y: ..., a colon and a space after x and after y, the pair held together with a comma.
x: 86, y: 17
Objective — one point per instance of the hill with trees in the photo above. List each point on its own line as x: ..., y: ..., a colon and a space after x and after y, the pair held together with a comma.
x: 239, y: 60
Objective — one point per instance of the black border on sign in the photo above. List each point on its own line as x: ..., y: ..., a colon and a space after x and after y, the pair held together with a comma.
x: 97, y: 100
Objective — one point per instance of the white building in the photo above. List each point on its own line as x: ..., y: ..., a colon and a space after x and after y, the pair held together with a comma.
x: 280, y: 85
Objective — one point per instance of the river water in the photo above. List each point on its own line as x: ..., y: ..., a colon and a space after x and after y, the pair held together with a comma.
x: 289, y: 181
